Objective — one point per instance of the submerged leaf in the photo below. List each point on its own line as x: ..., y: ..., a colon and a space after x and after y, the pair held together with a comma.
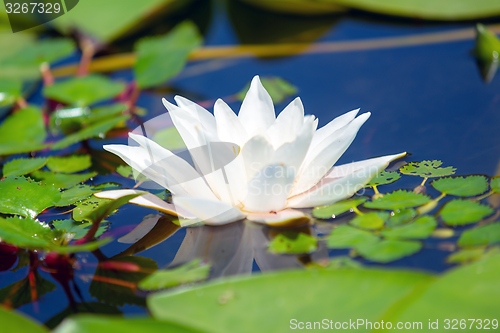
x: 69, y: 164
x: 384, y: 178
x: 23, y: 196
x: 333, y: 210
x: 292, y: 242
x: 23, y: 166
x: 388, y: 250
x: 483, y: 235
x: 427, y: 169
x: 192, y: 271
x: 278, y: 88
x: 22, y: 132
x: 398, y: 200
x: 460, y: 212
x: 421, y: 228
x: 462, y: 186
x: 370, y: 221
x: 346, y: 236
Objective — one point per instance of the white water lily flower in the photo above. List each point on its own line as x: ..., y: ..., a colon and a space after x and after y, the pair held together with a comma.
x: 252, y: 165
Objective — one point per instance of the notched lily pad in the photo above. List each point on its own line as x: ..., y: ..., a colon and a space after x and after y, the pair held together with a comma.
x: 421, y: 228
x: 69, y: 164
x: 23, y: 166
x: 62, y: 180
x: 399, y: 199
x: 401, y: 216
x: 190, y: 272
x: 384, y: 178
x: 427, y: 169
x: 76, y: 230
x: 388, y: 250
x: 333, y: 210
x: 22, y: 132
x: 483, y: 235
x: 75, y: 194
x: 292, y: 242
x: 460, y: 212
x: 346, y: 236
x: 370, y: 221
x: 462, y: 186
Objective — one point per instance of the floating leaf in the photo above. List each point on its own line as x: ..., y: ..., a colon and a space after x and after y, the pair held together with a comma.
x: 97, y: 212
x: 278, y: 88
x: 292, y: 242
x: 495, y: 184
x: 69, y: 164
x: 483, y: 235
x: 487, y: 52
x: 462, y: 186
x: 342, y: 262
x: 23, y: 166
x: 470, y: 255
x: 401, y: 216
x: 346, y: 236
x: 62, y: 180
x: 331, y: 211
x: 10, y: 91
x: 426, y: 169
x: 192, y: 271
x: 26, y: 197
x: 22, y: 132
x: 16, y: 322
x: 169, y: 138
x: 83, y: 91
x: 77, y: 229
x: 74, y: 194
x: 370, y: 221
x: 421, y: 228
x: 161, y: 58
x: 384, y: 178
x: 460, y: 212
x: 94, y: 130
x: 398, y: 200
x: 388, y: 250
x: 298, y: 7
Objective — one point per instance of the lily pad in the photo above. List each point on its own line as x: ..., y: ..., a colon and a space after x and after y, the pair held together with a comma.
x: 495, y: 184
x: 388, y: 250
x: 74, y: 194
x: 25, y: 197
x: 483, y: 235
x: 346, y: 236
x: 69, y: 164
x: 22, y: 132
x: 331, y: 211
x: 83, y: 91
x: 192, y: 271
x: 161, y: 58
x: 95, y: 209
x: 370, y: 221
x: 460, y: 212
x: 62, y: 180
x: 279, y: 89
x: 10, y: 91
x: 469, y: 255
x: 427, y: 169
x: 384, y: 178
x: 462, y: 186
x: 77, y: 229
x: 421, y: 228
x: 401, y: 216
x: 486, y: 50
x: 23, y: 166
x: 16, y: 322
x: 292, y: 242
x: 398, y: 200
x: 298, y: 7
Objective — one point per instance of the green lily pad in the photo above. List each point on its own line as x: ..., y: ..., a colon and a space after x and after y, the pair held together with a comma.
x: 161, y: 58
x: 10, y: 91
x: 388, y: 250
x: 192, y: 271
x: 62, y: 180
x: 77, y: 229
x: 495, y: 184
x: 465, y: 256
x: 487, y: 50
x: 298, y: 7
x: 69, y: 164
x: 95, y: 209
x: 370, y: 221
x: 22, y: 132
x: 384, y: 178
x: 401, y: 216
x: 331, y: 211
x: 23, y: 196
x: 421, y: 228
x: 23, y: 166
x: 84, y: 91
x: 462, y: 186
x: 460, y: 212
x: 398, y: 200
x: 169, y: 138
x: 13, y: 321
x: 75, y: 194
x: 94, y: 130
x: 278, y: 88
x: 292, y: 242
x: 346, y: 236
x: 427, y: 169
x: 483, y: 235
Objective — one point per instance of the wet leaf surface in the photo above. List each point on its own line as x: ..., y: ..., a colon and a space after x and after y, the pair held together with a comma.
x: 331, y: 211
x: 398, y: 200
x: 62, y: 180
x: 370, y: 221
x: 23, y: 166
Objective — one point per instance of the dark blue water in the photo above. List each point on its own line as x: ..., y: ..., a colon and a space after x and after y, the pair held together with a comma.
x: 428, y: 100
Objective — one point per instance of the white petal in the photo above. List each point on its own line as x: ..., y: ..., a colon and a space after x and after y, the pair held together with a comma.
x: 185, y: 124
x: 321, y: 158
x: 208, y: 211
x: 140, y: 230
x: 346, y: 169
x: 283, y: 218
x: 256, y: 154
x: 333, y: 126
x: 257, y: 110
x: 269, y: 189
x: 331, y: 190
x: 229, y: 127
x: 287, y: 124
x: 204, y: 117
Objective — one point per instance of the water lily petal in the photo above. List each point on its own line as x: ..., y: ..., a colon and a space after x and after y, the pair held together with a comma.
x: 209, y: 212
x: 283, y: 218
x: 269, y: 189
x: 229, y: 127
x: 287, y: 124
x: 140, y: 230
x: 256, y: 154
x: 352, y: 177
x: 204, y: 117
x: 257, y: 110
x: 323, y: 156
x: 333, y: 126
